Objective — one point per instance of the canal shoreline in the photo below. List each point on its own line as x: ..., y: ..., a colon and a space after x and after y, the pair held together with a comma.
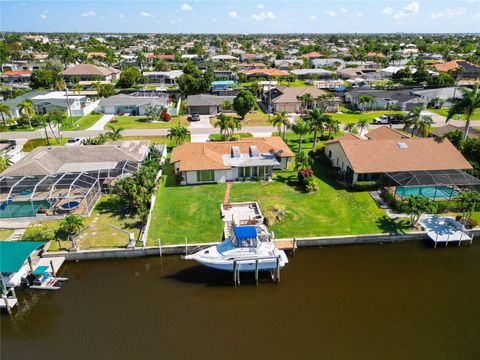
x: 182, y: 248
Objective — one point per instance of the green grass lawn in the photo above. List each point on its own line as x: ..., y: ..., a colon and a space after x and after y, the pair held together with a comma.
x: 348, y: 116
x: 5, y: 233
x: 140, y: 122
x: 444, y: 112
x: 80, y: 122
x: 193, y: 211
x: 257, y: 118
x: 100, y: 234
x: 155, y: 140
x: 34, y: 143
x: 17, y: 128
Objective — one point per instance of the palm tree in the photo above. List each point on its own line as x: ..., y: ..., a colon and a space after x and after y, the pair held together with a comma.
x: 333, y: 126
x: 5, y: 111
x: 141, y: 58
x: 302, y: 161
x: 365, y: 99
x: 300, y: 128
x: 279, y: 119
x: 362, y: 124
x: 412, y: 120
x: 425, y: 125
x: 256, y: 89
x: 115, y: 133
x: 27, y: 109
x: 71, y: 224
x: 308, y: 98
x: 223, y: 122
x: 5, y: 162
x: 178, y: 133
x: 76, y: 88
x: 235, y: 124
x: 351, y: 128
x: 316, y: 120
x: 465, y: 105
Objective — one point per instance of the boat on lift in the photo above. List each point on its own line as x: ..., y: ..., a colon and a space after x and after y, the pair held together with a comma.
x: 249, y: 248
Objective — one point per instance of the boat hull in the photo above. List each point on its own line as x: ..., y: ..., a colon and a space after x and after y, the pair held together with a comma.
x: 247, y: 266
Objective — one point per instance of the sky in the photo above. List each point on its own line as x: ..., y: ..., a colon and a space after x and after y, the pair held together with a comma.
x: 241, y: 16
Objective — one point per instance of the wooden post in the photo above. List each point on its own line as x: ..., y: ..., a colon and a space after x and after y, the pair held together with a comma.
x: 159, y: 248
x: 234, y: 272
x: 186, y: 247
x: 294, y: 246
x: 471, y: 238
x: 53, y: 269
x: 30, y: 263
x: 256, y: 272
x: 5, y: 295
x: 460, y: 241
x: 278, y: 271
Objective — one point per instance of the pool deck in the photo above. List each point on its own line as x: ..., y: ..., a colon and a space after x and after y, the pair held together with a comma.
x: 444, y: 230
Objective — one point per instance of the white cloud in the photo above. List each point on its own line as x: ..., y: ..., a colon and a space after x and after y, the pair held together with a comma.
x: 233, y: 14
x: 477, y: 16
x: 173, y: 22
x: 313, y: 18
x: 343, y: 10
x: 43, y: 16
x: 388, y: 10
x: 121, y: 16
x: 263, y: 15
x: 89, y: 13
x: 359, y: 14
x: 449, y: 13
x: 331, y: 13
x: 146, y: 14
x: 411, y: 9
x: 260, y: 6
x: 186, y: 7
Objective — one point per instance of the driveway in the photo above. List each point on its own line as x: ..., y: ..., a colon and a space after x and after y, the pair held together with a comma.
x: 204, y: 123
x: 100, y: 124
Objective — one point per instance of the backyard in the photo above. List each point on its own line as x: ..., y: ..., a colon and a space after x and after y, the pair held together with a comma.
x: 140, y: 122
x: 80, y: 122
x: 348, y: 116
x: 193, y: 211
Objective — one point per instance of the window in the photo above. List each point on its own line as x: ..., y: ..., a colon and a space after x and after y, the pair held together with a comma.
x: 261, y: 171
x: 205, y: 175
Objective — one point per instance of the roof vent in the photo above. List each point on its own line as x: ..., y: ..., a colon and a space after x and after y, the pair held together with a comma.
x: 235, y: 152
x: 403, y: 145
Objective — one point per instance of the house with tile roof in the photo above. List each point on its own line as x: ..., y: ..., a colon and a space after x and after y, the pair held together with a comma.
x: 466, y: 73
x: 284, y: 98
x: 16, y: 77
x: 217, y: 162
x: 90, y: 72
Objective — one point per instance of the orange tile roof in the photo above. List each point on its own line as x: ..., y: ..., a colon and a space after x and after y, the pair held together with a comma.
x: 375, y: 54
x: 17, y: 73
x: 381, y: 156
x: 208, y: 155
x: 346, y: 136
x: 446, y: 66
x: 160, y: 56
x: 96, y: 53
x: 266, y: 72
x: 385, y: 133
x: 312, y: 54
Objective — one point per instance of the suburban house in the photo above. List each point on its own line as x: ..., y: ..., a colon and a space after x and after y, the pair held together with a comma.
x: 206, y: 104
x: 251, y: 66
x: 251, y: 57
x: 287, y: 64
x: 217, y: 162
x: 46, y: 102
x: 162, y: 77
x: 60, y: 180
x: 132, y: 105
x: 284, y: 98
x: 89, y: 72
x: 219, y: 74
x: 403, y: 100
x: 467, y: 73
x: 19, y: 77
x: 444, y: 94
x: 302, y: 74
x: 266, y: 73
x: 387, y: 153
x: 440, y: 132
x: 328, y: 62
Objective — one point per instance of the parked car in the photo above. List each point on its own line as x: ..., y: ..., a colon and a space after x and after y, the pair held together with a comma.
x: 195, y: 117
x: 388, y: 119
x: 75, y: 141
x: 381, y: 120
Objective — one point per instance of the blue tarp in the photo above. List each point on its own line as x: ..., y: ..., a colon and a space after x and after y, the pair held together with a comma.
x: 245, y: 232
x: 39, y: 270
x: 14, y: 253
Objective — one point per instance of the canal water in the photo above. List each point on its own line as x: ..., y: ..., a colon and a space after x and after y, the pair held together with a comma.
x: 395, y: 301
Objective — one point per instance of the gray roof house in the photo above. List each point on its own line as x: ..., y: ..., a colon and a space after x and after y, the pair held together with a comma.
x: 206, y: 104
x: 309, y: 73
x: 127, y: 104
x: 321, y: 63
x: 403, y: 100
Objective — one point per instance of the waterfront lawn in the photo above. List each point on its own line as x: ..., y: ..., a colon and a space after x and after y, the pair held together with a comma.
x: 80, y: 122
x: 5, y: 233
x: 444, y: 112
x: 140, y: 122
x: 100, y: 234
x: 34, y: 143
x: 193, y: 211
x: 348, y: 116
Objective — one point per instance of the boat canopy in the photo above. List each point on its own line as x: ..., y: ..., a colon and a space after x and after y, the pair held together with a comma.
x: 245, y: 232
x: 40, y: 270
x: 13, y: 254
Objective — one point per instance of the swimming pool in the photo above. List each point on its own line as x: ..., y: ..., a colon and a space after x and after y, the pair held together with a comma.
x: 23, y: 209
x: 431, y: 192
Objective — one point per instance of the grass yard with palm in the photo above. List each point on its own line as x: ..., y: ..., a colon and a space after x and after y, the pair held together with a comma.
x: 80, y: 122
x: 348, y: 116
x: 141, y: 122
x: 444, y: 112
x: 194, y: 211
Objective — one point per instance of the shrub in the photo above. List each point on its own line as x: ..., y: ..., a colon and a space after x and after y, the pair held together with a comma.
x: 366, y: 186
x: 310, y: 185
x: 166, y: 116
x: 472, y: 223
x: 39, y: 233
x: 303, y: 174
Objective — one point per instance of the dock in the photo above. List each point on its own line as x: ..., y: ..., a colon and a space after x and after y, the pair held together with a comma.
x: 54, y: 264
x: 287, y: 244
x: 445, y: 230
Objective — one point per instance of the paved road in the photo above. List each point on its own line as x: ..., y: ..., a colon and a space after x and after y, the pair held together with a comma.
x: 196, y: 130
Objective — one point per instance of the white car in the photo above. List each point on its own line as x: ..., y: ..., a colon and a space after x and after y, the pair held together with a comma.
x: 381, y: 120
x: 75, y: 141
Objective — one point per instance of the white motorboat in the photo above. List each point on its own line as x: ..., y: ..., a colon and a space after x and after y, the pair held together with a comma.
x: 250, y: 247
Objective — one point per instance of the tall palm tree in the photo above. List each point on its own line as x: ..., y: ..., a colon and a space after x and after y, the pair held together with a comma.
x: 365, y: 100
x: 362, y: 124
x: 425, y: 125
x: 27, y: 109
x: 5, y: 112
x: 71, y: 224
x: 141, y: 58
x: 279, y: 119
x: 223, y: 122
x: 333, y: 126
x: 308, y: 98
x: 256, y: 89
x: 300, y: 128
x: 115, y: 133
x: 76, y: 88
x: 302, y: 161
x: 178, y: 133
x: 316, y: 120
x: 465, y: 105
x: 235, y: 124
x: 351, y: 128
x: 412, y: 120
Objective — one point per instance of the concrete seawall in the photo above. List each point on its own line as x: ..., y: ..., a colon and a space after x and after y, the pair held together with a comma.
x: 301, y: 242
